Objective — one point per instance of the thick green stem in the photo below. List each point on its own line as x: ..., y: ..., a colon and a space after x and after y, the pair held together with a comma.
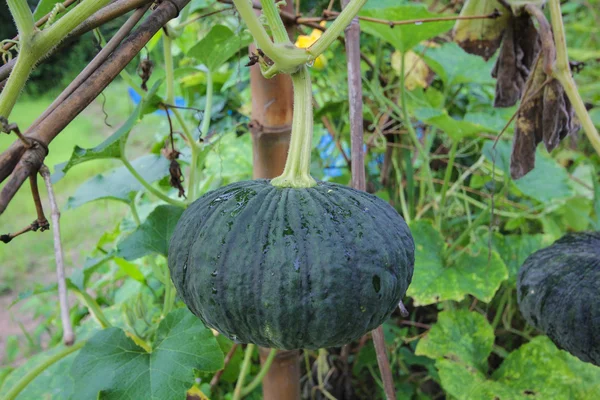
x: 23, y: 17
x: 297, y: 167
x: 169, y: 295
x: 169, y: 70
x: 261, y: 374
x: 149, y: 187
x: 35, y: 47
x: 208, y: 104
x: 16, y: 82
x: 562, y: 72
x: 51, y: 37
x: 336, y: 29
x: 39, y: 368
x: 237, y: 393
x: 271, y: 13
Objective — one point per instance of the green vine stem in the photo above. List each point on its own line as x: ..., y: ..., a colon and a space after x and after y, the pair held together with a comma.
x: 261, y: 374
x: 39, y: 368
x: 23, y: 17
x: 562, y: 72
x: 271, y: 13
x: 339, y: 24
x: 237, y: 393
x: 93, y: 307
x: 288, y: 58
x: 208, y: 104
x: 149, y: 187
x: 36, y: 44
x: 169, y: 70
x: 296, y: 173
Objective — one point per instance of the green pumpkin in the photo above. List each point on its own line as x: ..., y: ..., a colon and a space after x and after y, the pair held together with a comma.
x: 291, y: 268
x: 558, y: 290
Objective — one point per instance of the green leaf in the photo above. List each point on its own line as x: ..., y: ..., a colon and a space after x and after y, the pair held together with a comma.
x: 471, y: 273
x: 402, y: 37
x: 454, y: 66
x: 113, y: 364
x: 130, y: 269
x: 119, y: 184
x: 546, y: 372
x: 81, y: 276
x: 110, y: 148
x: 218, y: 46
x: 465, y: 382
x: 153, y: 235
x: 51, y: 383
x: 514, y: 249
x: 44, y: 7
x: 547, y: 182
x: 461, y: 336
x: 455, y: 128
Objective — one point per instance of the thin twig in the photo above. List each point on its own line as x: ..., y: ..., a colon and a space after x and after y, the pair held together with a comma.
x: 68, y: 334
x: 41, y: 218
x: 332, y: 14
x: 100, y: 58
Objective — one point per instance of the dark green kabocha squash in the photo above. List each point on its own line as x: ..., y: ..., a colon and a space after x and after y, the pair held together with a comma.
x: 291, y: 268
x: 558, y: 290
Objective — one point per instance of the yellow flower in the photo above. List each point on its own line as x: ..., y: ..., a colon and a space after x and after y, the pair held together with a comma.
x: 305, y: 41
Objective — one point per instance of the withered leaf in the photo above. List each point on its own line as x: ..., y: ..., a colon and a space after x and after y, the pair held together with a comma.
x: 520, y: 47
x: 545, y: 114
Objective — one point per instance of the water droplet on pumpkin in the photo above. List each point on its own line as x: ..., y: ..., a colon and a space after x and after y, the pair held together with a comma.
x: 363, y: 309
x: 214, y: 290
x: 214, y: 273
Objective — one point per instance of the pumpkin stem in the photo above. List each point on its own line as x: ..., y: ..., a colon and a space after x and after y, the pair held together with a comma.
x: 296, y: 173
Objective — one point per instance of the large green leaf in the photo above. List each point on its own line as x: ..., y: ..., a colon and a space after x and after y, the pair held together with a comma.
x: 112, y: 147
x: 153, y: 235
x: 473, y: 272
x: 514, y: 249
x: 546, y: 372
x: 455, y: 128
x: 218, y: 46
x: 402, y: 37
x: 454, y: 66
x: 547, y: 182
x: 51, y: 383
x: 119, y: 184
x: 111, y: 363
x: 537, y: 370
x: 461, y: 336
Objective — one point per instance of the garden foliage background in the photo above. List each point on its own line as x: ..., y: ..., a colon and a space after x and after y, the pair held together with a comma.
x: 429, y: 152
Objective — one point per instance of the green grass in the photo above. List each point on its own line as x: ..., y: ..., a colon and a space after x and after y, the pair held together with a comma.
x: 32, y: 254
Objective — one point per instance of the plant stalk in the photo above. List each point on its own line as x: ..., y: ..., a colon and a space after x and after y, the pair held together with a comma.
x: 237, y: 393
x: 296, y: 173
x: 271, y: 13
x: 23, y: 17
x: 562, y: 72
x: 261, y: 374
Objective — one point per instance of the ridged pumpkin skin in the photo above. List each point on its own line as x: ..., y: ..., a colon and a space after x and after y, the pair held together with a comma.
x: 291, y: 268
x: 558, y: 290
